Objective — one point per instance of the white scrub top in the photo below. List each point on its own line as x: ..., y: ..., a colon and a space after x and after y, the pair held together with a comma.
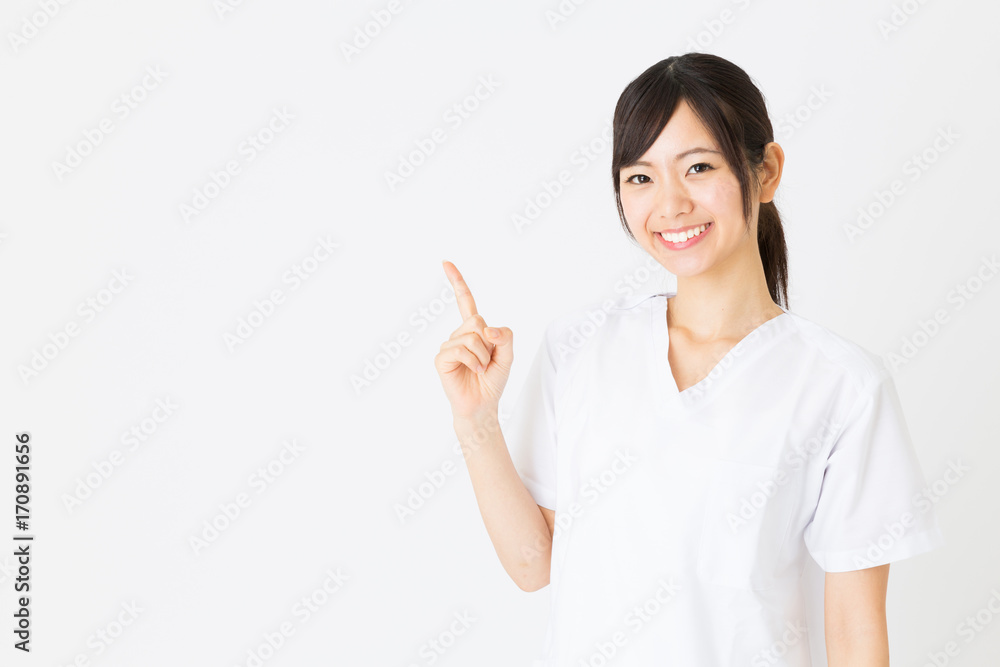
x: 694, y: 527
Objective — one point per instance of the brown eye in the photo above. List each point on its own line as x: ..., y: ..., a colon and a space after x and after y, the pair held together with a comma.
x: 702, y: 164
x: 629, y: 179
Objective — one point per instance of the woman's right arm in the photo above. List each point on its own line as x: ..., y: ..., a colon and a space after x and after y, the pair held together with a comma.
x: 520, y: 529
x: 474, y: 368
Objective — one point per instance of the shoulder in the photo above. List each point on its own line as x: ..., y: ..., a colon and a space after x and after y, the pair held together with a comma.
x: 829, y: 349
x: 578, y: 333
x: 593, y: 317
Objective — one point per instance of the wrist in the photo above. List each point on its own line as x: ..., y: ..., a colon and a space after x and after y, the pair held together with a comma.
x: 483, y: 420
x: 476, y: 431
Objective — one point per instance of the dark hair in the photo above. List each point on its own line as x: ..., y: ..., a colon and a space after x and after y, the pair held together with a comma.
x: 731, y: 107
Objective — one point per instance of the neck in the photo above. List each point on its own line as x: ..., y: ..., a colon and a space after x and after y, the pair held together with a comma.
x: 726, y: 303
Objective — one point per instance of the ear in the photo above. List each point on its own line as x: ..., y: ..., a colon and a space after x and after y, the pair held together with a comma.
x: 774, y: 160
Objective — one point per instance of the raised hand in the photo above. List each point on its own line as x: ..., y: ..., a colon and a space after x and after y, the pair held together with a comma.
x: 473, y: 366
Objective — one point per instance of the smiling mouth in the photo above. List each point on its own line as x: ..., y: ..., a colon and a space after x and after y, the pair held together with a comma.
x: 680, y: 237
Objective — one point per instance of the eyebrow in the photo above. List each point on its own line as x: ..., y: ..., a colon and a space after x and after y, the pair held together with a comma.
x: 679, y: 156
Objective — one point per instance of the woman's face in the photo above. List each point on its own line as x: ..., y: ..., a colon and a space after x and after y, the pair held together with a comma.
x: 680, y: 184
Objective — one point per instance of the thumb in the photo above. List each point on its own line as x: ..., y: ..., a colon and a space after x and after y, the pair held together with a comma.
x: 503, y: 345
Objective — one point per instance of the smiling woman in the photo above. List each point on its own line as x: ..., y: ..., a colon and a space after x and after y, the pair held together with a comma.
x: 768, y: 455
x: 714, y: 165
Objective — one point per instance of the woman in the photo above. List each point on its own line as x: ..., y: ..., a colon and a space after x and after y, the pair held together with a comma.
x: 683, y: 465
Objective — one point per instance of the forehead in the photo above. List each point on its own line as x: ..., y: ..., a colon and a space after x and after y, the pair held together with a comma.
x: 682, y: 132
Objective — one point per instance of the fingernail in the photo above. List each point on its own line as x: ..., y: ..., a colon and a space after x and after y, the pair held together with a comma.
x: 491, y: 332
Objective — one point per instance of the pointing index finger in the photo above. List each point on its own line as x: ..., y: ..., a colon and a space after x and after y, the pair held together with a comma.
x: 466, y: 304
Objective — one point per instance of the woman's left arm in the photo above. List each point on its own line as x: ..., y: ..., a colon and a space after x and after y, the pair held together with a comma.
x: 854, y: 613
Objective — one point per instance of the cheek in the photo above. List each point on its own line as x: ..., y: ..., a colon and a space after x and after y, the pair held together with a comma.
x: 635, y: 213
x: 712, y: 199
x: 721, y: 202
x: 725, y: 198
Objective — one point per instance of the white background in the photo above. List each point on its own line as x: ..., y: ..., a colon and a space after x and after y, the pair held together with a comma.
x: 364, y: 449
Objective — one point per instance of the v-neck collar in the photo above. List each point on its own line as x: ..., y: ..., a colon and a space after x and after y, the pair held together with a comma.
x: 703, y: 389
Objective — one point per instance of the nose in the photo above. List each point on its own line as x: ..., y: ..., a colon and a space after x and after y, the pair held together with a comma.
x: 672, y: 198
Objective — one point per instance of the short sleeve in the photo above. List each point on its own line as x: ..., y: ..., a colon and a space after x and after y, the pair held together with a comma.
x: 530, y: 432
x: 868, y: 512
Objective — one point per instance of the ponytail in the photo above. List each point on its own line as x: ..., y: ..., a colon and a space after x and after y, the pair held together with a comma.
x: 773, y: 252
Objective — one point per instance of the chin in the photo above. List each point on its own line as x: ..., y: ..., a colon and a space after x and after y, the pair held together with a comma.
x: 686, y: 269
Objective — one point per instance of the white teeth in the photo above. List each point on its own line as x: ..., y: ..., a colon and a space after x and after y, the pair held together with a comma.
x: 683, y: 236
